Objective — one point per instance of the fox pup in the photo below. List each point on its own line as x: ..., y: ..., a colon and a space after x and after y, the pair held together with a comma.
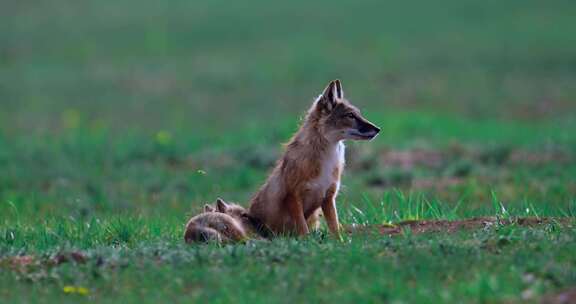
x: 306, y: 178
x: 224, y: 223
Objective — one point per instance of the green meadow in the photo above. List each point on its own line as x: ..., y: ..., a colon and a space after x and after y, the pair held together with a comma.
x: 120, y: 119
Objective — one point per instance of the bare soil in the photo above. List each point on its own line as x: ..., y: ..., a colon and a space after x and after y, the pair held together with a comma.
x: 564, y: 297
x: 425, y: 226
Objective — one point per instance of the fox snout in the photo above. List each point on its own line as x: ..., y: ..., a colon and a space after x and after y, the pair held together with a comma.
x: 368, y: 129
x: 363, y: 129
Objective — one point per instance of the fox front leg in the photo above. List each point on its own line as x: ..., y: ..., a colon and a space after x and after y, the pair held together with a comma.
x: 329, y: 210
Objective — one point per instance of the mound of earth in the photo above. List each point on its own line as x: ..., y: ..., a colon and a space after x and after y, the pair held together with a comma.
x: 424, y: 226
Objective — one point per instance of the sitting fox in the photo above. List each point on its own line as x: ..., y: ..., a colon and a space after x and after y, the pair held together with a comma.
x: 224, y: 223
x: 306, y: 178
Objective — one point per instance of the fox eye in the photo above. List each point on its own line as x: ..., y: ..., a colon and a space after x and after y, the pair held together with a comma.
x: 350, y: 115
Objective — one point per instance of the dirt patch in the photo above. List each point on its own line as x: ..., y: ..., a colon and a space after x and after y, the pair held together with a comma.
x: 66, y: 257
x: 564, y: 297
x: 18, y: 261
x: 26, y: 261
x: 425, y: 226
x: 457, y: 166
x: 521, y: 157
x: 408, y: 160
x: 437, y: 183
x: 440, y: 159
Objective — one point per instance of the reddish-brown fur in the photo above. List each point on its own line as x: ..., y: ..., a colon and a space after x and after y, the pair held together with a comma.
x: 307, y: 176
x: 224, y: 223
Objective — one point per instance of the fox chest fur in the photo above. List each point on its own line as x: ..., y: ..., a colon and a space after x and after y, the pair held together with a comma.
x: 329, y: 169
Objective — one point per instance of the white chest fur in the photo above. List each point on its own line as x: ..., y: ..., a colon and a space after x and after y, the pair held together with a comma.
x: 334, y: 160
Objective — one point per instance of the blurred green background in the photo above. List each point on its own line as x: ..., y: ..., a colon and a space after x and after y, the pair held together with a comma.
x: 153, y: 107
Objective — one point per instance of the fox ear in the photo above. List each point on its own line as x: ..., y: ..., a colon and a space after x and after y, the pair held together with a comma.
x: 339, y: 91
x: 331, y: 94
x: 221, y: 205
x: 208, y: 208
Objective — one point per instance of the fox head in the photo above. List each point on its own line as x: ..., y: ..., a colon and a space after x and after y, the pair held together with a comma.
x: 231, y: 209
x: 239, y: 213
x: 223, y: 207
x: 337, y: 119
x: 234, y: 210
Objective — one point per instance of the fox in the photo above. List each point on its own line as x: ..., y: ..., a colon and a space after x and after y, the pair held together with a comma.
x: 224, y: 223
x: 306, y: 179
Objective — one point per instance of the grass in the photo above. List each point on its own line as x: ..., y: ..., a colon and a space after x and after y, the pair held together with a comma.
x: 117, y: 124
x: 488, y: 265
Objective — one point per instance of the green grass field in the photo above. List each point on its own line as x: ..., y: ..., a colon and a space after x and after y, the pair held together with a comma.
x: 120, y: 119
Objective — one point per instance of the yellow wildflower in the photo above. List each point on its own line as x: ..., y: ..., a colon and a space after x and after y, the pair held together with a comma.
x: 71, y: 119
x: 163, y: 137
x: 83, y: 291
x: 69, y: 289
